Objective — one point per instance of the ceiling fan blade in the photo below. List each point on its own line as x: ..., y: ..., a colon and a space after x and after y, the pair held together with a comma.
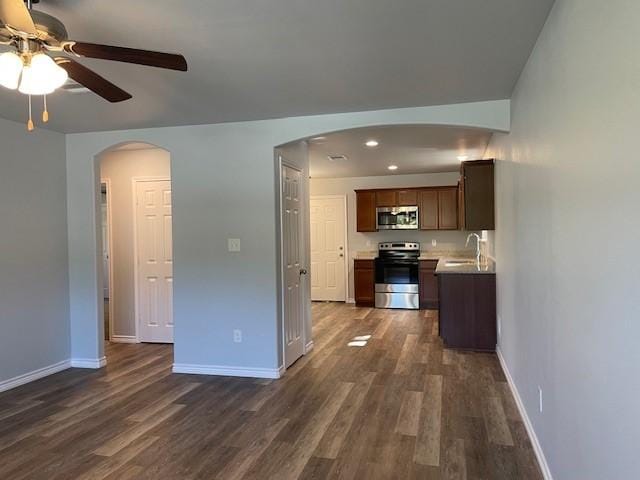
x: 93, y: 81
x: 171, y: 61
x: 15, y: 15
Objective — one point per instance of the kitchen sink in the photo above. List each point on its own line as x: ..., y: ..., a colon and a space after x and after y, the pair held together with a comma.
x: 459, y: 263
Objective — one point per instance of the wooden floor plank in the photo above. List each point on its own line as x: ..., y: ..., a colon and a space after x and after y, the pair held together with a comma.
x: 409, y: 419
x: 428, y: 444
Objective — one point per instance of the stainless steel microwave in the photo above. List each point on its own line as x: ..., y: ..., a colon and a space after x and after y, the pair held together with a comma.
x: 397, y: 218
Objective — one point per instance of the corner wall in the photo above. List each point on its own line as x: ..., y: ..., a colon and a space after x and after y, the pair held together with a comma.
x: 34, y: 282
x: 567, y: 237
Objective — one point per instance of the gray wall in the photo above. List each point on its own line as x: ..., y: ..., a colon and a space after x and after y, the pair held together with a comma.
x: 120, y: 167
x: 567, y: 237
x: 34, y: 288
x: 223, y: 187
x: 358, y: 242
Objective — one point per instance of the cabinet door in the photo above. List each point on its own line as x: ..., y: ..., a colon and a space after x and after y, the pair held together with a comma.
x: 407, y: 198
x: 479, y: 195
x: 461, y: 222
x: 428, y: 209
x: 448, y: 209
x: 428, y: 282
x: 386, y: 198
x: 364, y: 282
x: 366, y: 211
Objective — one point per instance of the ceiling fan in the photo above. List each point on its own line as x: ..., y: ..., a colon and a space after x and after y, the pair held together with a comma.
x: 29, y: 68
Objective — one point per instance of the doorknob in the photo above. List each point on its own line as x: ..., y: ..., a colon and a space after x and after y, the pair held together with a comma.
x: 303, y: 271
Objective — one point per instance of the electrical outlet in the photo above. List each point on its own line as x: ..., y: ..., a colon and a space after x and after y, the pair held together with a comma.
x: 434, y: 243
x: 237, y: 336
x: 234, y: 244
x: 540, y: 398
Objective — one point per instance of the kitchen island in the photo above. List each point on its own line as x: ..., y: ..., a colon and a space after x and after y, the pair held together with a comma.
x: 467, y: 304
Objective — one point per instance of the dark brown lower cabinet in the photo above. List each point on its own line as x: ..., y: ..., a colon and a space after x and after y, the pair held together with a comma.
x: 468, y: 311
x: 428, y: 282
x: 364, y: 280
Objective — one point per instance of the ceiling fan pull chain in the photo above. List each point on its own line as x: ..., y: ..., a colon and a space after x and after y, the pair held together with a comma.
x: 45, y: 112
x: 30, y: 122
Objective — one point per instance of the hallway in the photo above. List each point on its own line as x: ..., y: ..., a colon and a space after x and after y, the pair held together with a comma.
x: 398, y: 406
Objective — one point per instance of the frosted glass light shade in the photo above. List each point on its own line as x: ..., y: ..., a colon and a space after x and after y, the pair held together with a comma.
x: 42, y: 76
x: 10, y: 69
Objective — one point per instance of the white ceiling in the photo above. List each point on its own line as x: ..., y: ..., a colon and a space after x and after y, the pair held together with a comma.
x: 413, y: 149
x: 267, y: 59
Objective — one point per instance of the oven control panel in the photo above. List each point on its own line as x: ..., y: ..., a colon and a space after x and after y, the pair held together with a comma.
x: 399, y: 246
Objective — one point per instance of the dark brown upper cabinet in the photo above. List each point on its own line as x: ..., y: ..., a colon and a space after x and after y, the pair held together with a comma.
x: 428, y: 209
x: 477, y: 197
x: 407, y: 198
x: 386, y: 198
x: 437, y: 206
x: 366, y: 211
x: 448, y: 208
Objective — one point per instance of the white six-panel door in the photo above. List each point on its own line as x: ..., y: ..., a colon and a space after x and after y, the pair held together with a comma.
x: 328, y: 249
x: 154, y: 251
x: 292, y: 238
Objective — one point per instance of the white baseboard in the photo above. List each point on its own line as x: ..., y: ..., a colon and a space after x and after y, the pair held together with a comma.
x: 88, y: 362
x: 308, y: 347
x: 351, y: 300
x: 228, y: 371
x: 124, y: 339
x: 537, y: 448
x: 34, y: 375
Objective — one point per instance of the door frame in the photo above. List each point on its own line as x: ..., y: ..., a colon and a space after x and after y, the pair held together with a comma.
x: 136, y: 283
x: 346, y: 237
x: 112, y: 301
x: 306, y: 316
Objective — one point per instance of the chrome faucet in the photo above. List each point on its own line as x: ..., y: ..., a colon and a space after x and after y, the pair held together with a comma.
x: 478, y: 240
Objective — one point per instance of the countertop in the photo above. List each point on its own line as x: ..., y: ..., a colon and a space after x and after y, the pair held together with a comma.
x: 424, y: 255
x: 484, y: 268
x: 489, y: 267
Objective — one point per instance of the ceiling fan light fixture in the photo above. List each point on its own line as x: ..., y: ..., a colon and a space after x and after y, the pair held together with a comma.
x: 10, y: 70
x: 42, y: 76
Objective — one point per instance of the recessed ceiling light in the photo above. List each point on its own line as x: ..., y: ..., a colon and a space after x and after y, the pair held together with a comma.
x: 463, y: 158
x: 318, y: 139
x: 392, y: 167
x: 372, y: 143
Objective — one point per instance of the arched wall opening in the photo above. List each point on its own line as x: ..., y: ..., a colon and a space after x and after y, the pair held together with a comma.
x: 134, y: 188
x: 431, y: 155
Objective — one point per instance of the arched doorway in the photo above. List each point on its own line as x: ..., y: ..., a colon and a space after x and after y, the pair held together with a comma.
x: 134, y: 243
x: 327, y: 169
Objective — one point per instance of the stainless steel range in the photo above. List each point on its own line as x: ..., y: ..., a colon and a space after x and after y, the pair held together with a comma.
x: 397, y: 275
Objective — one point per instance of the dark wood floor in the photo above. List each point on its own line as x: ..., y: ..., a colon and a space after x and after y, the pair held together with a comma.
x: 399, y: 407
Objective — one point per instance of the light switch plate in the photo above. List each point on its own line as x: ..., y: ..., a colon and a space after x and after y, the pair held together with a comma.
x: 234, y: 244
